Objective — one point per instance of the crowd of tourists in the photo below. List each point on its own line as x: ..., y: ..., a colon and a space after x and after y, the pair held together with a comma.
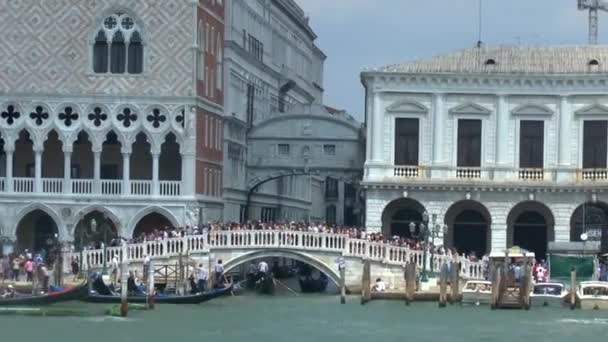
x: 25, y: 267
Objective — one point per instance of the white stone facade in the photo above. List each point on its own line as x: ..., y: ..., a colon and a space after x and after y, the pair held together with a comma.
x: 501, y: 87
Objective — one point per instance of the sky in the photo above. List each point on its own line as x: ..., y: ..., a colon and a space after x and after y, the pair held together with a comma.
x: 355, y: 34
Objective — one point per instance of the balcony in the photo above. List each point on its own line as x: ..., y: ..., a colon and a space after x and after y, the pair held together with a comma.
x: 531, y: 174
x: 593, y: 175
x: 468, y: 172
x: 406, y: 171
x: 88, y: 187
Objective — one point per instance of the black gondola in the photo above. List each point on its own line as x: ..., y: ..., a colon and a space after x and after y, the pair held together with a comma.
x: 65, y: 295
x: 311, y: 280
x: 265, y: 284
x: 102, y: 294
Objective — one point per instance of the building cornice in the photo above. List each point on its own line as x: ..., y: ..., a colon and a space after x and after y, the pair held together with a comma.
x: 487, y: 187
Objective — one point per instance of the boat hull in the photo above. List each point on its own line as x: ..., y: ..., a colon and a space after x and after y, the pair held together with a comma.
x: 474, y: 298
x: 73, y: 293
x: 190, y: 299
x: 594, y: 303
x: 540, y: 300
x: 266, y: 285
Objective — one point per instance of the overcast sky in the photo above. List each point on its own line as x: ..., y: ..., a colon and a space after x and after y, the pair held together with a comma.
x: 355, y: 34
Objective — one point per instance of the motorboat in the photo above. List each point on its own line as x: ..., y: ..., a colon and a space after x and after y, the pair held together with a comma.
x: 548, y: 294
x: 477, y: 292
x: 311, y: 280
x: 593, y: 295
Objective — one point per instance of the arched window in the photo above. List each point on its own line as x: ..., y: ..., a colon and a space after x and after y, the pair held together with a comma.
x: 201, y: 51
x: 118, y: 46
x: 219, y: 72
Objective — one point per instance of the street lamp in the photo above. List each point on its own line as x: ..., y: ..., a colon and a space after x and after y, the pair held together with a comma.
x: 426, y: 231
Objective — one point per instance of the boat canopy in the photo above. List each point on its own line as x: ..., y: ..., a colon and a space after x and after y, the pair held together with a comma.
x: 513, y: 252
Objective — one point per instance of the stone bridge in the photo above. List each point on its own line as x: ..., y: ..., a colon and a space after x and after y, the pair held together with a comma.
x: 320, y: 250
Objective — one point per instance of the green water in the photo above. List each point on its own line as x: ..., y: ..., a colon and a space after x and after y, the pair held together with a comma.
x: 313, y: 318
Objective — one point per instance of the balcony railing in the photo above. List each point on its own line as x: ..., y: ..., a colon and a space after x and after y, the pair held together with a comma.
x: 141, y: 188
x: 52, y: 185
x: 406, y: 171
x: 82, y: 186
x: 22, y: 184
x: 468, y: 172
x: 594, y: 174
x: 170, y: 188
x: 532, y: 174
x: 111, y: 186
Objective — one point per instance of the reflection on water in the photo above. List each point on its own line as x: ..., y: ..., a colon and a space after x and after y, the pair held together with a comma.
x: 313, y: 318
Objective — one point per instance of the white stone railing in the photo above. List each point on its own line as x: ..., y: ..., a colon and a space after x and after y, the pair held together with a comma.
x: 468, y: 172
x: 2, y: 184
x: 22, y: 184
x: 260, y: 239
x: 170, y: 188
x: 532, y: 174
x: 82, y: 186
x: 406, y: 171
x: 141, y: 187
x: 111, y: 186
x: 52, y: 185
x: 594, y: 174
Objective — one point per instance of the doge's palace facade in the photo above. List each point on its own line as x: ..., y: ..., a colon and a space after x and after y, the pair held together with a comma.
x: 499, y: 146
x: 105, y: 118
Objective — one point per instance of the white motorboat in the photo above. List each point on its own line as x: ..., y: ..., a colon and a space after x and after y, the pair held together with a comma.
x: 477, y: 292
x: 593, y: 295
x: 548, y: 294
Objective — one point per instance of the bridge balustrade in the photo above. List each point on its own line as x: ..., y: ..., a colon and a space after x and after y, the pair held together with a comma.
x: 340, y: 244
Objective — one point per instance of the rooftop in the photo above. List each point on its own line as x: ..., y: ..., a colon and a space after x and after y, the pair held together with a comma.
x: 511, y: 60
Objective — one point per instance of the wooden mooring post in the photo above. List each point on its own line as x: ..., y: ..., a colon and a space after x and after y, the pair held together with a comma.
x: 342, y: 285
x: 151, y: 291
x: 124, y: 289
x: 410, y: 282
x: 443, y: 286
x: 525, y: 282
x: 455, y: 283
x: 496, y: 287
x: 573, y: 286
x: 366, y: 285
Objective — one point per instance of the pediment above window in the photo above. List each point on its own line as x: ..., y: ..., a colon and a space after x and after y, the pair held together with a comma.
x: 407, y: 106
x: 532, y: 110
x: 470, y: 108
x: 595, y: 109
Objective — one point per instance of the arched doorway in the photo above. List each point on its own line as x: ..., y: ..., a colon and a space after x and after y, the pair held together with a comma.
x: 37, y: 232
x: 23, y: 164
x: 530, y: 226
x: 398, y: 215
x: 52, y: 157
x: 82, y: 158
x: 111, y: 157
x: 93, y: 229
x: 469, y: 230
x: 590, y: 218
x: 170, y: 160
x: 141, y: 159
x: 151, y: 223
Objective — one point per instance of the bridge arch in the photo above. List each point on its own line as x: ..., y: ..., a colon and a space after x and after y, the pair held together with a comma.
x: 271, y: 253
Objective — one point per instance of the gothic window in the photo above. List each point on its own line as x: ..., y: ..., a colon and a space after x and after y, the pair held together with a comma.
x: 127, y: 117
x: 469, y: 142
x: 118, y: 46
x: 531, y: 141
x: 10, y: 115
x: 406, y: 141
x: 156, y: 118
x: 98, y: 116
x: 595, y: 138
x: 39, y: 115
x: 180, y: 118
x: 68, y: 116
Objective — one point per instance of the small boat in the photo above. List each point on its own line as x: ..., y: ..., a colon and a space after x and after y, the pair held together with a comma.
x: 593, y: 295
x: 312, y: 280
x: 100, y: 293
x: 477, y: 292
x: 265, y: 284
x: 548, y: 294
x: 61, y: 295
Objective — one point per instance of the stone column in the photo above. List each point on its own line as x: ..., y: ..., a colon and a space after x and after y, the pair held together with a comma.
x: 565, y: 173
x: 376, y: 138
x: 9, y: 170
x: 502, y: 127
x: 97, y: 172
x: 155, y: 183
x: 188, y: 174
x: 38, y: 171
x: 340, y: 204
x: 438, y: 134
x: 126, y: 173
x: 67, y: 168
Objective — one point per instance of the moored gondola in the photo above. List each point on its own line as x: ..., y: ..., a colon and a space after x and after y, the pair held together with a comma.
x: 100, y: 293
x: 265, y: 284
x: 64, y: 295
x: 311, y: 280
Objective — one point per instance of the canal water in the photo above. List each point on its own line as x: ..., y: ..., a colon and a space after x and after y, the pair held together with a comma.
x: 312, y: 318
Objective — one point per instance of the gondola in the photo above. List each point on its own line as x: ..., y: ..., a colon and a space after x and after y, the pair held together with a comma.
x: 64, y: 295
x: 102, y: 294
x: 265, y: 284
x: 311, y: 280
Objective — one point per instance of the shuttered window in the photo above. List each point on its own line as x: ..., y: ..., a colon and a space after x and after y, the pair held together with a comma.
x: 595, y: 136
x: 469, y: 143
x: 406, y: 141
x: 531, y: 144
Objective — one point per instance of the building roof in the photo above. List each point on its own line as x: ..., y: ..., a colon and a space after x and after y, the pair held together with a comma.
x: 511, y: 60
